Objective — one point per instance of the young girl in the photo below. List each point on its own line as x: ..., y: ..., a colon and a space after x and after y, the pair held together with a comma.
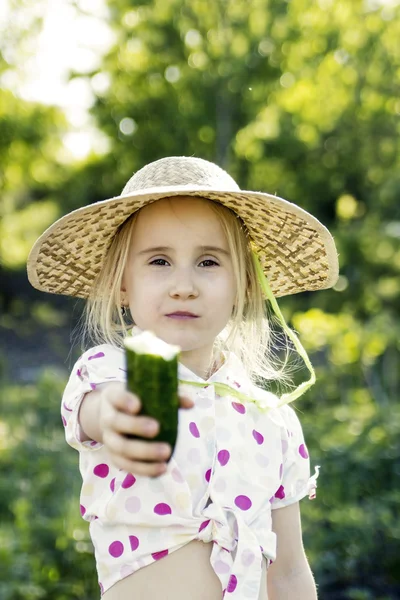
x: 184, y: 252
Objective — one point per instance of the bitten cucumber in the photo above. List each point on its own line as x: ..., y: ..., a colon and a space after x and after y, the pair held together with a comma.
x: 152, y: 374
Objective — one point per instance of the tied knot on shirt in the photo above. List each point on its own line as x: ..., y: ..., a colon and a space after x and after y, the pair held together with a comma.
x: 227, y: 528
x: 236, y: 547
x: 218, y: 527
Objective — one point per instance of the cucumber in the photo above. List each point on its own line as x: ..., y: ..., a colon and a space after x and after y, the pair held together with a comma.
x: 152, y: 374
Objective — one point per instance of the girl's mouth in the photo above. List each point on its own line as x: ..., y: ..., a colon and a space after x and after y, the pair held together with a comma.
x: 182, y: 315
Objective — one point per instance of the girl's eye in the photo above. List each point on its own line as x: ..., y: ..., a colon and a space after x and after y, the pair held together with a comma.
x: 210, y: 261
x: 160, y: 262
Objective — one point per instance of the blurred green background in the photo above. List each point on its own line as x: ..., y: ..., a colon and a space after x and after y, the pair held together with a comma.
x: 297, y: 98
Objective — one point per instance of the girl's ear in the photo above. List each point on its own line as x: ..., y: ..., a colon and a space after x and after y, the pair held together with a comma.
x: 124, y: 297
x: 123, y: 293
x: 123, y: 285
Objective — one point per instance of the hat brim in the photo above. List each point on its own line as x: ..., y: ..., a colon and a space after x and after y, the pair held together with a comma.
x: 296, y: 251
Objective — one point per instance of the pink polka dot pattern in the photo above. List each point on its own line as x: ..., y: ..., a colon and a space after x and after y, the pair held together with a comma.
x: 159, y: 555
x: 177, y: 476
x: 93, y: 386
x: 128, y: 481
x: 258, y: 437
x: 231, y: 584
x: 208, y: 475
x: 303, y: 451
x: 193, y: 430
x: 204, y: 525
x: 262, y: 460
x: 98, y: 355
x: 162, y: 509
x: 133, y: 504
x: 247, y: 557
x: 223, y: 457
x: 280, y: 493
x: 243, y: 502
x: 112, y: 485
x: 116, y: 549
x: 221, y: 567
x: 64, y: 421
x: 239, y: 407
x: 134, y: 542
x: 101, y: 470
x: 101, y: 587
x: 82, y: 509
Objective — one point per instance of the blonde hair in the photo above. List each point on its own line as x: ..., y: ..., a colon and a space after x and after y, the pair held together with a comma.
x: 248, y: 333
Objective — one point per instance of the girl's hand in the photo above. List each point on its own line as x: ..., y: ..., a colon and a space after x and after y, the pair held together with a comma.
x: 118, y: 418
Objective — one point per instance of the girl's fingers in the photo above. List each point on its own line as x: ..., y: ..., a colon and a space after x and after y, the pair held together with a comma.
x: 154, y: 469
x: 138, y: 457
x: 136, y: 450
x: 127, y: 424
x: 185, y: 402
x: 121, y: 399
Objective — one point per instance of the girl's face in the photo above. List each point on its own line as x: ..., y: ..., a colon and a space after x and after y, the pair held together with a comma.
x: 179, y: 261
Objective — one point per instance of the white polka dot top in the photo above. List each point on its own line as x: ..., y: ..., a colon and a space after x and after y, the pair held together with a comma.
x: 233, y: 463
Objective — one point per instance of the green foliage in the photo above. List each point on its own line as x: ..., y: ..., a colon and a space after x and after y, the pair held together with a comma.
x: 45, y: 551
x: 29, y: 139
x: 352, y: 424
x: 296, y: 98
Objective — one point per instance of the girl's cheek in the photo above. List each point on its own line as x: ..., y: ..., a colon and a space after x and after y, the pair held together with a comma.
x: 153, y: 274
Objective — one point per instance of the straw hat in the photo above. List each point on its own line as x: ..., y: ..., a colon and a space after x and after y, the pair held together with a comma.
x: 296, y: 251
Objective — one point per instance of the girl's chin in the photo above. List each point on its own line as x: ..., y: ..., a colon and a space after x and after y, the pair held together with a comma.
x: 187, y: 342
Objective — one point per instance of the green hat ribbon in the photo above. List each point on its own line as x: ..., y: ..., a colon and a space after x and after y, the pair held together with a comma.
x: 303, y: 387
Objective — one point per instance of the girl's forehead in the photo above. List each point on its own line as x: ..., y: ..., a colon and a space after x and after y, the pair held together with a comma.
x: 177, y: 205
x: 193, y: 216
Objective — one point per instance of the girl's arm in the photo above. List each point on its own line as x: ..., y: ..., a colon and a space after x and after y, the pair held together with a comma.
x: 289, y: 577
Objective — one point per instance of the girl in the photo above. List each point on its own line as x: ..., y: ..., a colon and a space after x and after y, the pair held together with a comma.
x: 185, y: 252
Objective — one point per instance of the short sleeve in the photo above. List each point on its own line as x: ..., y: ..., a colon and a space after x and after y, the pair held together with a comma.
x: 295, y: 470
x: 98, y: 365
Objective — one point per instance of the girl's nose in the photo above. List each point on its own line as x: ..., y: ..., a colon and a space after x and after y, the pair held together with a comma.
x: 183, y: 286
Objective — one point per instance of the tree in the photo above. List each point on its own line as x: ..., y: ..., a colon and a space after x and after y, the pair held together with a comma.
x: 298, y: 99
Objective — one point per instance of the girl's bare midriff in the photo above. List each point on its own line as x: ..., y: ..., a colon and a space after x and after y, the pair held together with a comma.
x: 182, y: 575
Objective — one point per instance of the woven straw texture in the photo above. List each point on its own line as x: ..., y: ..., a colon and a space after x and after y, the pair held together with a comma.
x: 296, y: 251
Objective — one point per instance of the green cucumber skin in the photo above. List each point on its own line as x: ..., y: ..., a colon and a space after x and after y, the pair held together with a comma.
x: 155, y: 381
